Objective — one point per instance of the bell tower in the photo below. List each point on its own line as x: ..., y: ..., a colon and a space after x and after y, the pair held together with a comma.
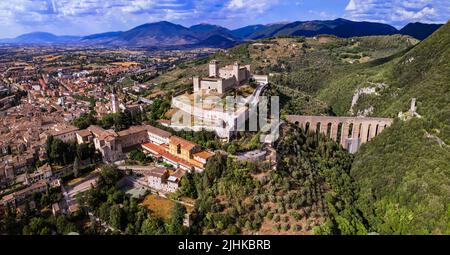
x: 213, y: 68
x: 114, y: 101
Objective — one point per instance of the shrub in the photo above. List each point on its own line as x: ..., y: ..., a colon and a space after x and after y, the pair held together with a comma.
x: 276, y: 218
x: 296, y: 228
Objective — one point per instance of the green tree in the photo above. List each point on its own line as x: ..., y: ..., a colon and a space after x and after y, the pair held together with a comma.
x: 188, y: 187
x: 116, y: 217
x: 138, y: 155
x: 109, y: 176
x: 76, y: 167
x: 63, y: 226
x: 57, y: 149
x: 37, y: 226
x: 175, y: 223
x: 152, y: 226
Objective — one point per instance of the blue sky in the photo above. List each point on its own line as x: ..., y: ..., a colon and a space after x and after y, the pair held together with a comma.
x: 81, y: 17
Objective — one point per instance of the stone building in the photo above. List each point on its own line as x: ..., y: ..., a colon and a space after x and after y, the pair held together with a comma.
x: 161, y: 179
x: 157, y: 178
x: 182, y: 148
x: 221, y: 80
x: 65, y: 133
x: 114, y: 145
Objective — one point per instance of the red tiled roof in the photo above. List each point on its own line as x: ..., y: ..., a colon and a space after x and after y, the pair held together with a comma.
x: 204, y: 155
x: 184, y: 143
x: 154, y: 148
x: 177, y: 160
x: 162, y: 151
x: 158, y: 172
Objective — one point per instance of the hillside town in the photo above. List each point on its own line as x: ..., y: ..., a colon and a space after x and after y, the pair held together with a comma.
x: 62, y: 121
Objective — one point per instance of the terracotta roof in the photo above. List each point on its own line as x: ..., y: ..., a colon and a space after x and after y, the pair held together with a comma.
x: 184, y: 143
x: 158, y: 132
x: 179, y: 173
x: 97, y: 130
x: 84, y: 133
x: 59, y: 130
x: 204, y: 154
x: 37, y: 185
x: 132, y: 130
x: 158, y: 172
x: 154, y: 148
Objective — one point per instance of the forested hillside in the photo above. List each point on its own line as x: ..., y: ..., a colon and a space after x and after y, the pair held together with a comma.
x: 401, y: 178
x: 310, y: 192
x: 303, y: 64
x: 404, y: 174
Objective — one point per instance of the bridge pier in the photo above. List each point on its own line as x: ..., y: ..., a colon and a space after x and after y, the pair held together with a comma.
x: 344, y: 135
x: 334, y: 130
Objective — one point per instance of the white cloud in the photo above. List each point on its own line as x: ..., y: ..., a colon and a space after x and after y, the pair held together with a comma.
x: 399, y: 12
x: 249, y: 6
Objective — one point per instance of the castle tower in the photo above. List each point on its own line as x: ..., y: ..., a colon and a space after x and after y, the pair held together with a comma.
x: 114, y: 101
x: 413, y: 108
x: 236, y: 68
x: 213, y: 68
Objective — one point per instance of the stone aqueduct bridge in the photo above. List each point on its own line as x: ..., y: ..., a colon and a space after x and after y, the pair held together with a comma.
x: 352, y: 131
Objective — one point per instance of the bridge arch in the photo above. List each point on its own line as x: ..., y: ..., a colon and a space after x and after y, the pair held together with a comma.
x: 348, y: 131
x: 329, y: 129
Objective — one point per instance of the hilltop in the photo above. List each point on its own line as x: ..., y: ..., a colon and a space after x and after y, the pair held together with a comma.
x: 420, y: 30
x: 299, y: 66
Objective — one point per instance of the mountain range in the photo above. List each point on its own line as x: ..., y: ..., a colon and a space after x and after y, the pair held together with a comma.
x: 166, y: 34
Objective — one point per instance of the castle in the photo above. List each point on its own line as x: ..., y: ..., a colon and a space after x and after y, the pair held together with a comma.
x: 210, y: 114
x: 221, y: 80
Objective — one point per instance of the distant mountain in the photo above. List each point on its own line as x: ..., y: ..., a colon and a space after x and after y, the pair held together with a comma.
x: 155, y: 34
x: 102, y: 35
x: 265, y: 32
x: 337, y: 27
x: 217, y: 41
x: 419, y: 30
x: 352, y: 29
x: 244, y: 32
x: 41, y: 38
x: 205, y: 31
x: 166, y: 34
